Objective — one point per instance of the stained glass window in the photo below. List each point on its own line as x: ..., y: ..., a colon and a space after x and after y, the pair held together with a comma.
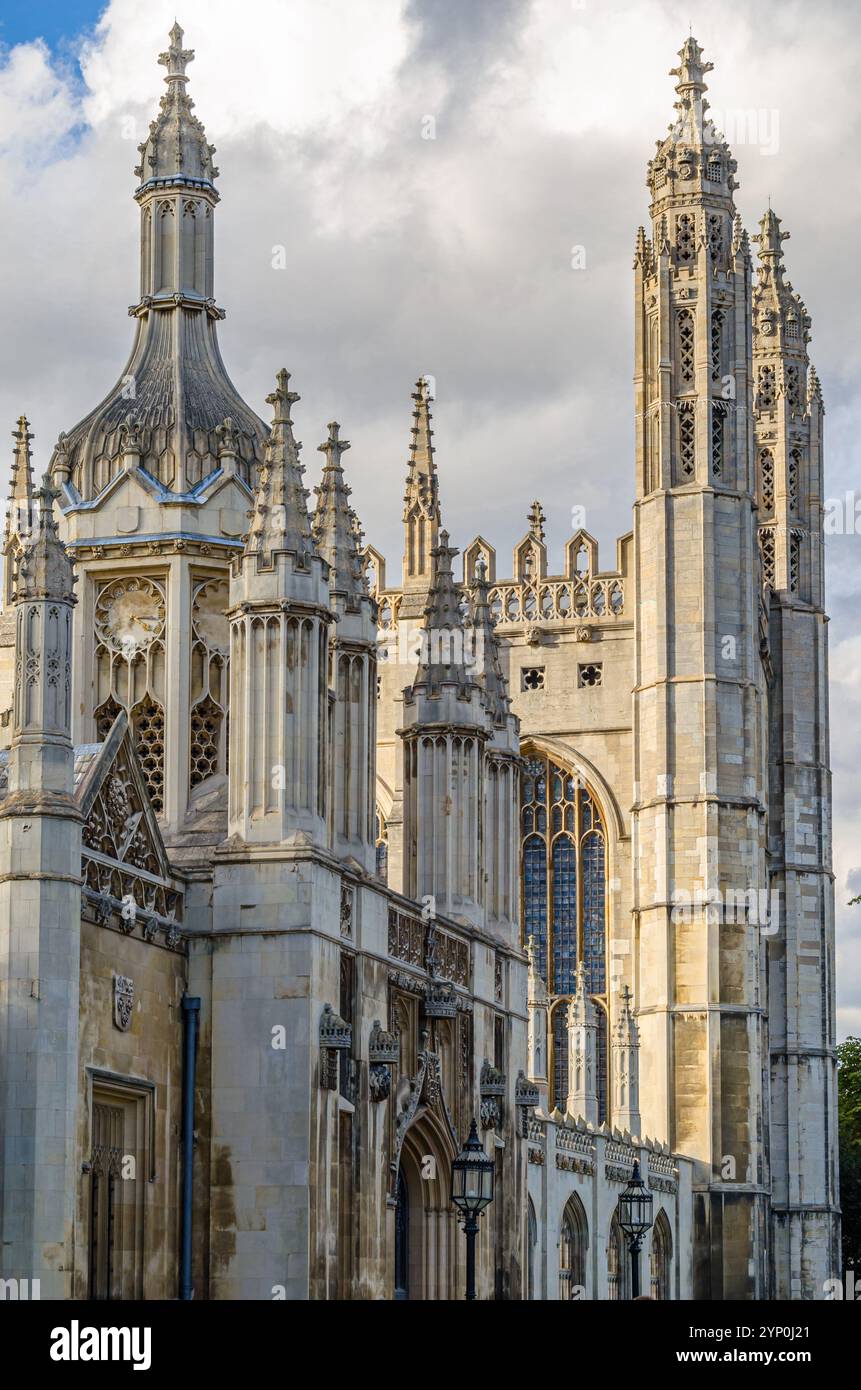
x: 560, y: 1056
x: 564, y: 881
x: 564, y: 914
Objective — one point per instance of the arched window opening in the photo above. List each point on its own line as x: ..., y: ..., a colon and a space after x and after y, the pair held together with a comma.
x: 573, y: 1244
x: 564, y: 888
x: 660, y: 1259
x: 618, y: 1265
x: 532, y: 1236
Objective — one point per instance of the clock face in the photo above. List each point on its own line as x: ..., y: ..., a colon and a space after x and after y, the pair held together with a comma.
x: 130, y: 613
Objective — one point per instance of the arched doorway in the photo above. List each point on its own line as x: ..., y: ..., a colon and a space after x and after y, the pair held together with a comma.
x: 426, y: 1234
x: 402, y: 1241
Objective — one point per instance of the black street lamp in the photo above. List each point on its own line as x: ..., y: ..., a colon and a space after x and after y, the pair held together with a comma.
x: 472, y: 1175
x: 635, y: 1218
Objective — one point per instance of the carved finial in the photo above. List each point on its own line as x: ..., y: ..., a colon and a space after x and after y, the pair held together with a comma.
x: 177, y: 58
x: 129, y: 433
x: 691, y: 69
x: 334, y: 446
x: 282, y: 398
x: 770, y: 237
x: 228, y: 439
x: 22, y: 462
x: 536, y: 521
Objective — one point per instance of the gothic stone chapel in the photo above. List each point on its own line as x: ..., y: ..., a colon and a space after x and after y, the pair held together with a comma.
x: 283, y: 908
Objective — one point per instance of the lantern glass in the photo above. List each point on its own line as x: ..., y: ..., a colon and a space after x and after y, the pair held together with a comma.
x: 472, y: 1174
x: 635, y: 1206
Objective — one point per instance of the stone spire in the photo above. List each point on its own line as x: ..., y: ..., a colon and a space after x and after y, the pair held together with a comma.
x: 582, y: 1052
x: 40, y: 759
x: 352, y: 666
x: 485, y: 648
x: 626, y: 1068
x: 279, y: 586
x: 692, y: 164
x: 335, y: 523
x: 175, y: 381
x: 538, y: 1014
x: 44, y: 568
x: 19, y: 512
x: 780, y: 318
x: 279, y: 517
x: 443, y: 658
x: 421, y: 501
x: 176, y: 146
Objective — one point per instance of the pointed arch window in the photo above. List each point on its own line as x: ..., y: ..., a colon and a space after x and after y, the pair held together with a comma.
x: 573, y: 1245
x: 564, y: 886
x: 660, y: 1259
x: 766, y: 481
x: 618, y: 1272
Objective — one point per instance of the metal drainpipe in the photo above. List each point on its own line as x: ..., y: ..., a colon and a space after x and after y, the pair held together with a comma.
x: 190, y: 1017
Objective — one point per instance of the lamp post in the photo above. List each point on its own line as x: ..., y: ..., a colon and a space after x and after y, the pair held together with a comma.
x: 472, y: 1174
x: 635, y: 1218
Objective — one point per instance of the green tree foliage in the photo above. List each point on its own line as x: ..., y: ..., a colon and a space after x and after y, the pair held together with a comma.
x: 849, y: 1128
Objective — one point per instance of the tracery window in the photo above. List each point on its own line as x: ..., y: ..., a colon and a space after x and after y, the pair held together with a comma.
x: 793, y: 474
x: 717, y: 438
x: 766, y: 392
x: 715, y: 235
x: 766, y: 480
x: 210, y: 640
x: 130, y: 669
x: 766, y: 546
x: 687, y: 440
x: 795, y: 562
x: 793, y: 386
x: 685, y: 247
x: 564, y: 868
x: 686, y: 348
x: 573, y: 1244
x: 717, y: 343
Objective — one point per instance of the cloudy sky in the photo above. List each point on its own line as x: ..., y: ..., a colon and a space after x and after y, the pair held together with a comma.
x: 428, y: 167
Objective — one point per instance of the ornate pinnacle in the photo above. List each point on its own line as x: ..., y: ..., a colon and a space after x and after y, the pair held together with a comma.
x: 177, y: 58
x: 335, y: 527
x: 770, y: 237
x: 44, y: 569
x: 536, y: 521
x: 282, y: 398
x: 279, y: 518
x: 334, y: 446
x: 691, y: 70
x: 22, y: 461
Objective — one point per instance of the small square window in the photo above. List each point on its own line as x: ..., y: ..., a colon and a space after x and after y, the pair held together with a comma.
x: 590, y: 675
x: 532, y: 678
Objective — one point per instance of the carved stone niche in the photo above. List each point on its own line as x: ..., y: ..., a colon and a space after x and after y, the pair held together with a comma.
x: 440, y: 1000
x: 335, y: 1036
x: 124, y: 1002
x: 526, y: 1097
x: 491, y: 1088
x: 346, y: 910
x: 384, y: 1051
